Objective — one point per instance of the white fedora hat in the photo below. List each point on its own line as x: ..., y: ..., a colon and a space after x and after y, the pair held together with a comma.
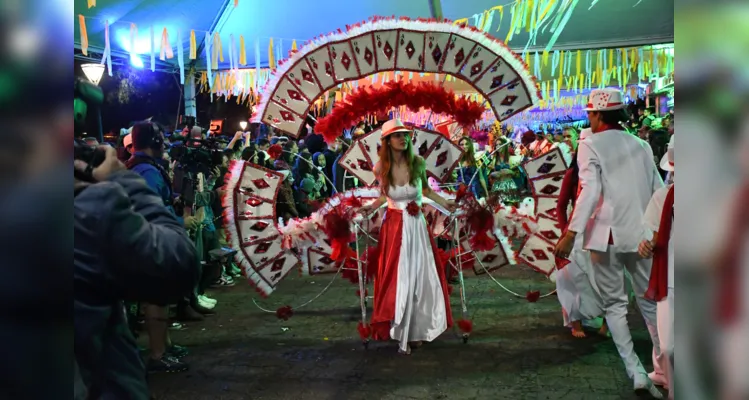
x: 605, y: 100
x: 392, y: 126
x: 667, y: 161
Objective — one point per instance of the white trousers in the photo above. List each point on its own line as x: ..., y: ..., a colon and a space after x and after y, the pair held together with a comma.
x: 665, y: 361
x: 609, y: 275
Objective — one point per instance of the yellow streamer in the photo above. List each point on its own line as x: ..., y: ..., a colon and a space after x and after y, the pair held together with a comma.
x: 633, y: 59
x: 545, y: 57
x: 193, y: 46
x: 528, y: 20
x: 217, y: 52
x: 579, y: 60
x: 271, y: 57
x: 561, y: 65
x: 461, y: 21
x: 84, y: 34
x: 546, y: 10
x: 242, y: 51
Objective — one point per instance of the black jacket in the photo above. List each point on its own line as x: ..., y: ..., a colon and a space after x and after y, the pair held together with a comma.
x: 128, y: 246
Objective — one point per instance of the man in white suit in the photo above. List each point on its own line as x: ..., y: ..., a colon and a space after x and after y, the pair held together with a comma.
x: 618, y: 177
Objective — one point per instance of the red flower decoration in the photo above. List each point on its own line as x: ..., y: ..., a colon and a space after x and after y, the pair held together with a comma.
x: 413, y: 209
x: 275, y: 151
x: 364, y: 331
x: 284, y: 313
x: 465, y: 325
x: 533, y: 296
x: 462, y: 193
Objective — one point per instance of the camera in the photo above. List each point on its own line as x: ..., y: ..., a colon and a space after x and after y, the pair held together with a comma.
x: 90, y: 155
x: 194, y: 156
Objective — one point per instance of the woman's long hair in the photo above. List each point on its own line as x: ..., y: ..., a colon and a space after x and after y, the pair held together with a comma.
x: 383, y: 169
x: 469, y: 155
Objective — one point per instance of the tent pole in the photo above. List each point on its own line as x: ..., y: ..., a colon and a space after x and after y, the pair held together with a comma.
x: 435, y: 7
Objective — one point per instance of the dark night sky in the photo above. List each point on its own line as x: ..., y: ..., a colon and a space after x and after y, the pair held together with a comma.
x: 157, y: 95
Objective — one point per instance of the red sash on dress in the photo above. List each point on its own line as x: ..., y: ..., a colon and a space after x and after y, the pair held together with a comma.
x: 658, y: 285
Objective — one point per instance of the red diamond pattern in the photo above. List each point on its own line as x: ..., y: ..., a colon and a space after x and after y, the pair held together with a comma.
x: 509, y: 99
x: 388, y: 50
x: 368, y: 56
x: 295, y: 95
x: 497, y: 81
x: 437, y: 54
x: 549, y: 189
x: 260, y: 183
x: 540, y: 254
x: 545, y: 168
x: 346, y: 61
x: 253, y: 202
x: 478, y: 67
x: 328, y: 69
x: 441, y: 159
x: 287, y: 116
x: 262, y: 248
x: 307, y: 76
x: 459, y: 57
x: 259, y: 226
x: 278, y: 264
x: 551, y: 235
x: 363, y: 164
x: 410, y: 50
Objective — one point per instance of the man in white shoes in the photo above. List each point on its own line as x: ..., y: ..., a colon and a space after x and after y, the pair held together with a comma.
x: 618, y: 177
x: 659, y: 219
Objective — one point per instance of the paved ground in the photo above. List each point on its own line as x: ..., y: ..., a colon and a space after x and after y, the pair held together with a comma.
x: 518, y: 350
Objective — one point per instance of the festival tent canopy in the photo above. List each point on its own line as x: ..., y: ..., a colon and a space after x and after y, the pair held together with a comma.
x: 592, y: 24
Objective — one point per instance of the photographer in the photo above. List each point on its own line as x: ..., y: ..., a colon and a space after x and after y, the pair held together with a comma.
x: 128, y: 246
x: 148, y: 150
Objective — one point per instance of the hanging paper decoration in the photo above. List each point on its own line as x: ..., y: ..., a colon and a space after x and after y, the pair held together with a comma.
x: 166, y: 48
x: 242, y: 51
x: 208, y: 59
x: 271, y: 57
x: 153, y: 51
x: 232, y: 48
x: 84, y: 34
x: 91, y: 3
x: 257, y: 63
x: 218, y: 51
x: 107, y: 48
x: 133, y: 36
x: 180, y: 58
x: 193, y: 46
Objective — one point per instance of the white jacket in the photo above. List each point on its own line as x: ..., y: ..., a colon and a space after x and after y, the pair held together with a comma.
x: 618, y: 177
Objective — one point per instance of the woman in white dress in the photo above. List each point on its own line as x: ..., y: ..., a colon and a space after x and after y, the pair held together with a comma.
x: 411, y: 302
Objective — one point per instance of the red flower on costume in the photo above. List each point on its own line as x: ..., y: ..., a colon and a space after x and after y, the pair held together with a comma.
x: 413, y: 209
x: 533, y: 296
x: 465, y: 325
x: 284, y: 313
x: 275, y: 151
